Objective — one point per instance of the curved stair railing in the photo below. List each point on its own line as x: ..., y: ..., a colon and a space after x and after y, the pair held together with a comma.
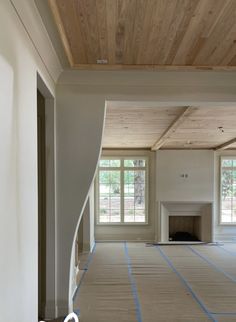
x: 71, y: 316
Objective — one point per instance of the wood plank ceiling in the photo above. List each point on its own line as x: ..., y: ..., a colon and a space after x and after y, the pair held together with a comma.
x: 188, y: 127
x: 151, y: 34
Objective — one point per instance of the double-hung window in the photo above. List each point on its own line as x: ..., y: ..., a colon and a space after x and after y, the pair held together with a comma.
x: 228, y: 190
x: 122, y: 190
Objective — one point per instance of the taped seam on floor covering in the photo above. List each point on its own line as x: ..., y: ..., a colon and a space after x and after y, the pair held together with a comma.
x: 133, y: 285
x: 84, y: 271
x: 226, y: 250
x: 186, y: 284
x: 208, y: 261
x: 222, y: 313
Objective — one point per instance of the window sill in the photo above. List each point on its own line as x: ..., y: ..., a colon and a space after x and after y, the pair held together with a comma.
x: 227, y: 224
x: 122, y: 224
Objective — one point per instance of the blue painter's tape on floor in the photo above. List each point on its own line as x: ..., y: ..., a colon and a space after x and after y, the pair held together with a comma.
x: 226, y: 250
x: 213, y: 265
x: 222, y: 313
x: 186, y: 284
x: 84, y: 272
x: 133, y: 285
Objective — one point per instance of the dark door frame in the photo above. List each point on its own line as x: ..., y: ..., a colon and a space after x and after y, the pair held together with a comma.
x: 48, y: 309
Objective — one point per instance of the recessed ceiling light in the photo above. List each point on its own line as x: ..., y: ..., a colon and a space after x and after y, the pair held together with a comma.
x: 102, y: 61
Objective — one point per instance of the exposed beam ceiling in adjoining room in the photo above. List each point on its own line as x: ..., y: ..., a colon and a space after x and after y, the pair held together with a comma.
x: 180, y: 127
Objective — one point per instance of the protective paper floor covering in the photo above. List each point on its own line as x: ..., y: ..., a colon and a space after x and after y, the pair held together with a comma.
x: 105, y: 294
x: 162, y: 295
x: 131, y: 282
x: 204, y: 271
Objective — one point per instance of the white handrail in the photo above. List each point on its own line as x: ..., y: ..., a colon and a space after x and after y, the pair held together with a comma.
x: 70, y: 317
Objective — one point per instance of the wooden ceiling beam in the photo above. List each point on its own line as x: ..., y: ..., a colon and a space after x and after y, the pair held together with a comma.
x: 225, y: 145
x: 172, y: 128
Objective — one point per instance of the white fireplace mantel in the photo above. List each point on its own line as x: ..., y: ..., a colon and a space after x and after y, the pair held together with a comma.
x: 183, y: 208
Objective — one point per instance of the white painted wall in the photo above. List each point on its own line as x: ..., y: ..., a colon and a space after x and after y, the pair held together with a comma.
x: 172, y: 166
x: 198, y: 165
x: 80, y: 117
x: 145, y: 88
x: 19, y: 63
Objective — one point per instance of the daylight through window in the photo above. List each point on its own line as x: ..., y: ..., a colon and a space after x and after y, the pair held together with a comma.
x: 122, y: 190
x: 228, y: 190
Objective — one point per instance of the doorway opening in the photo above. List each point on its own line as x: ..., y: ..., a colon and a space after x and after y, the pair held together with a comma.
x: 41, y: 203
x: 46, y: 203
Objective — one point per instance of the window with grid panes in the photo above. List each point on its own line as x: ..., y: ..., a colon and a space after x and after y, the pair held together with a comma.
x: 228, y: 190
x: 122, y: 190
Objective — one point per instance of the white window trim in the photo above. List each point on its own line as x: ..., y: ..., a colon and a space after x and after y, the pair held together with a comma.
x: 222, y: 223
x: 122, y: 168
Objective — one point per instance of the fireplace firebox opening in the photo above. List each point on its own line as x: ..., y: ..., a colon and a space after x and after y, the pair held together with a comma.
x: 185, y: 228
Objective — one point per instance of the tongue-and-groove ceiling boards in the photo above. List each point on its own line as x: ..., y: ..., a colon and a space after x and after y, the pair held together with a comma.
x: 154, y: 35
x: 147, y: 34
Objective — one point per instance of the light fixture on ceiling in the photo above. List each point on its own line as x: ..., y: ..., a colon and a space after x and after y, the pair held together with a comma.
x: 102, y: 61
x: 221, y: 129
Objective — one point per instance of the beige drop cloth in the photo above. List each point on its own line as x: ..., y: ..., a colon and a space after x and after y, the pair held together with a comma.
x: 106, y: 293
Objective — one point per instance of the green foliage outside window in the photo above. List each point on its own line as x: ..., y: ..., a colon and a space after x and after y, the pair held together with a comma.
x: 132, y: 174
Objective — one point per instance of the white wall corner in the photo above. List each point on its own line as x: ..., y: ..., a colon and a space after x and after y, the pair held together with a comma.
x: 31, y: 21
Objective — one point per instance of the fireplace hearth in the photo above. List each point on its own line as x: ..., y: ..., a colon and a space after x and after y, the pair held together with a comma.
x: 183, y: 236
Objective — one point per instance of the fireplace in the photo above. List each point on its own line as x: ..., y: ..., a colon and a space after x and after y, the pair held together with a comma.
x: 185, y: 228
x: 185, y: 222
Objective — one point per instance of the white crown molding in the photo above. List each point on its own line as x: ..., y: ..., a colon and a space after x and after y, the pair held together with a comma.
x: 148, y: 78
x: 31, y: 21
